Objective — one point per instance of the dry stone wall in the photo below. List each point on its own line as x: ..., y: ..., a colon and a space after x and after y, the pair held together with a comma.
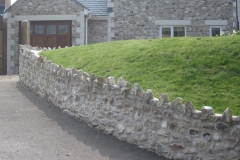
x: 171, y: 129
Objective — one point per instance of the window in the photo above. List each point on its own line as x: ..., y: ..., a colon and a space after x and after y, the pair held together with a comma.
x: 172, y: 31
x: 51, y: 29
x: 62, y: 29
x: 39, y: 29
x: 215, y: 30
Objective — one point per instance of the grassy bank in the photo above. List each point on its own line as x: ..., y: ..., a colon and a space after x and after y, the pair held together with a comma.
x: 205, y: 71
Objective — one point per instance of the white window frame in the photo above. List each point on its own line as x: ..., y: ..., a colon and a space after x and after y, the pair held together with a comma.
x: 172, y: 30
x: 221, y: 29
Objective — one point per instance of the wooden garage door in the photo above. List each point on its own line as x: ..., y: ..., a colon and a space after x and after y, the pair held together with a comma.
x: 50, y: 34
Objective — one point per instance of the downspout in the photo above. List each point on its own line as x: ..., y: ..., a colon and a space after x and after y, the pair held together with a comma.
x: 90, y: 16
x: 237, y: 15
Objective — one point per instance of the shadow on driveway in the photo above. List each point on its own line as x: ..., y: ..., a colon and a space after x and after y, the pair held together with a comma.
x: 65, y: 137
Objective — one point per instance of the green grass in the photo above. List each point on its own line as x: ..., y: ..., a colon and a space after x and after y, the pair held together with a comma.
x: 205, y: 71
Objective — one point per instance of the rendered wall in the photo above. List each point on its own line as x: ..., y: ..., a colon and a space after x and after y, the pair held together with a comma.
x: 171, y: 129
x: 136, y: 19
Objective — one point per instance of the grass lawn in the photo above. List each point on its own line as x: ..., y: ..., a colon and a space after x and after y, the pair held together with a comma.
x: 205, y: 71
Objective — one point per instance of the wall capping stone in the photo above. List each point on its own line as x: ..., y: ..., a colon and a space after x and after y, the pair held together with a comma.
x: 173, y: 22
x: 216, y: 22
x: 171, y: 129
x: 45, y: 17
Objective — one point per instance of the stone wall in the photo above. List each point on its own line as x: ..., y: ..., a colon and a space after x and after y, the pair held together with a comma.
x: 41, y: 11
x: 97, y: 31
x: 136, y: 19
x: 171, y: 129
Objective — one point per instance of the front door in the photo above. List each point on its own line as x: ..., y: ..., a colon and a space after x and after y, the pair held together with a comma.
x: 50, y: 34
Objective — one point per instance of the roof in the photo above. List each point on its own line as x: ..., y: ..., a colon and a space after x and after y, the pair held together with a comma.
x: 97, y: 7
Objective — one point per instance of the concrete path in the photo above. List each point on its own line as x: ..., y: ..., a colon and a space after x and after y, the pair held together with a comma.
x: 32, y: 129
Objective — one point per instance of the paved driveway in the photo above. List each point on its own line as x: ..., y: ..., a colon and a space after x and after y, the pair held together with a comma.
x: 32, y: 129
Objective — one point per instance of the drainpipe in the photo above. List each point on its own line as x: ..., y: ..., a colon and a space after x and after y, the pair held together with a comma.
x: 90, y: 16
x: 237, y: 14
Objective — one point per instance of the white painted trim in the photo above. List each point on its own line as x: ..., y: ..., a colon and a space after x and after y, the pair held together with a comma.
x: 45, y: 17
x: 216, y: 22
x: 210, y: 32
x: 173, y: 22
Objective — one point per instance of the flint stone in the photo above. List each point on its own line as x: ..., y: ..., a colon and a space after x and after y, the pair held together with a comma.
x: 138, y: 126
x: 189, y: 107
x: 196, y: 114
x: 193, y: 132
x: 137, y: 90
x: 186, y: 140
x: 177, y: 146
x: 168, y: 114
x: 128, y: 86
x: 200, y: 143
x: 177, y: 102
x: 172, y: 126
x: 227, y: 115
x: 219, y: 147
x: 163, y: 133
x: 121, y: 82
x: 207, y: 136
x: 221, y: 127
x: 236, y: 119
x: 120, y: 128
x: 138, y: 116
x: 111, y: 81
x: 148, y: 95
x: 101, y: 80
x: 140, y: 137
x: 163, y: 99
x: 164, y: 124
x: 118, y: 117
x: 154, y: 102
x: 232, y: 154
x: 207, y: 110
x: 128, y: 130
x: 216, y: 136
x: 109, y: 131
x: 174, y: 139
x: 190, y: 151
x: 208, y: 126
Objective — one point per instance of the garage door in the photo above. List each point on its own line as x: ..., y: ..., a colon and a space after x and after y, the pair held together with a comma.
x: 50, y: 34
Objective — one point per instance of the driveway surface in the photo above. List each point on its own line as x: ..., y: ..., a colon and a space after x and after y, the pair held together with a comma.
x: 32, y: 129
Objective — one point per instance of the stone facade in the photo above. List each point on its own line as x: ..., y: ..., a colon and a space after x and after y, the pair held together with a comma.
x: 171, y: 129
x: 97, y: 31
x: 136, y: 19
x: 41, y: 11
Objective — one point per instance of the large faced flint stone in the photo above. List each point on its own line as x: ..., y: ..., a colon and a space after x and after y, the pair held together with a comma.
x: 227, y: 115
x: 221, y: 127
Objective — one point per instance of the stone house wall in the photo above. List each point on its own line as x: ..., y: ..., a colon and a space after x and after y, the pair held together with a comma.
x: 43, y: 10
x: 136, y: 19
x: 97, y: 31
x: 7, y: 4
x: 171, y: 129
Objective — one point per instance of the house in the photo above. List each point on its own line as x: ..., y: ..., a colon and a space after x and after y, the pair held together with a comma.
x: 79, y: 22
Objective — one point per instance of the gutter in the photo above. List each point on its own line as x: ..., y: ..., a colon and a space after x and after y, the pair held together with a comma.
x: 237, y: 15
x: 90, y: 16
